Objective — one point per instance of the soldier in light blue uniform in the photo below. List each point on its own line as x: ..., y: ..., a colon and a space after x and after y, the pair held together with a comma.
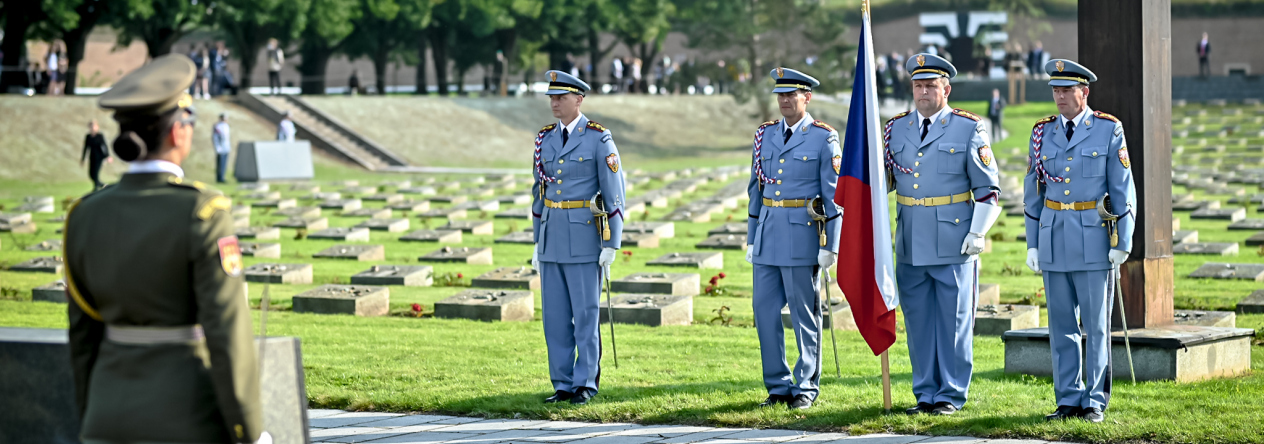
x: 796, y: 159
x: 575, y: 158
x: 1076, y: 158
x: 946, y: 185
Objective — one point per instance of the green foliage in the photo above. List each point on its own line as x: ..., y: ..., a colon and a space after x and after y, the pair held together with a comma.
x: 248, y: 24
x: 157, y: 23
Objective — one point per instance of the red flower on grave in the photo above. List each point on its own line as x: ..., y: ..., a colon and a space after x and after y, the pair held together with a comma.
x: 627, y: 252
x: 709, y: 289
x: 417, y: 308
x: 715, y: 280
x: 460, y: 276
x: 722, y: 276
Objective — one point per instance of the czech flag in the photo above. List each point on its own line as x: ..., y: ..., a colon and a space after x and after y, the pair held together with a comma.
x: 866, y: 270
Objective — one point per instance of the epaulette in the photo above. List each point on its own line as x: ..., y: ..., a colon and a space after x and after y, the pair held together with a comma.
x: 180, y: 182
x: 548, y: 127
x: 1047, y: 119
x: 596, y: 126
x: 823, y: 125
x: 966, y: 114
x: 770, y: 122
x: 898, y: 116
x: 1102, y: 115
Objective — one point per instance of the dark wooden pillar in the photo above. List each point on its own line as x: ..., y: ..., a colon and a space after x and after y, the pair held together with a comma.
x: 1128, y: 44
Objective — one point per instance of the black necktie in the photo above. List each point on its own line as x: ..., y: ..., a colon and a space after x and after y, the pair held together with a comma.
x: 788, y: 134
x: 925, y: 127
x: 1070, y: 129
x: 565, y: 136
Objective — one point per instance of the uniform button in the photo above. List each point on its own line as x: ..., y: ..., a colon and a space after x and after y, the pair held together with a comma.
x: 589, y: 222
x: 1094, y: 153
x: 559, y: 191
x: 783, y: 160
x: 778, y: 171
x: 1044, y: 157
x: 1103, y: 225
x: 952, y: 150
x: 917, y: 174
x: 559, y: 181
x: 805, y: 157
x: 778, y: 181
x: 919, y: 154
x: 559, y: 171
x: 917, y: 164
x: 956, y: 221
x: 1068, y: 169
x: 1066, y: 193
x: 914, y: 186
x: 1067, y: 180
x: 581, y: 159
x: 777, y: 193
x: 1068, y: 158
x: 561, y: 161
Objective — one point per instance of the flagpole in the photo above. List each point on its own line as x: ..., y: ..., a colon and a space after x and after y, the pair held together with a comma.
x: 886, y: 382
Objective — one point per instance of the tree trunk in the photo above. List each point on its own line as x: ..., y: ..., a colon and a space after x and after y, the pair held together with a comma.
x: 421, y: 67
x: 248, y: 60
x: 14, y: 44
x: 765, y: 106
x: 509, y: 51
x: 460, y: 81
x: 380, y: 57
x: 439, y: 49
x: 77, y: 41
x: 315, y: 60
x: 594, y: 59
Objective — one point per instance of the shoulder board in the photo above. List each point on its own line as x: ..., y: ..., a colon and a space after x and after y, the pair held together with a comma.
x: 898, y: 116
x: 1047, y: 119
x: 1102, y: 115
x: 596, y: 126
x: 768, y: 123
x: 823, y: 125
x: 548, y: 127
x: 216, y: 203
x: 966, y: 114
x: 179, y: 182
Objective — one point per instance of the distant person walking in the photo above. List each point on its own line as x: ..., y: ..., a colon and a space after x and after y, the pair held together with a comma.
x: 996, y: 108
x: 285, y: 129
x: 616, y: 74
x: 1036, y: 60
x: 202, y: 61
x: 222, y: 141
x: 276, y: 61
x: 96, y: 151
x: 56, y: 76
x: 1204, y: 51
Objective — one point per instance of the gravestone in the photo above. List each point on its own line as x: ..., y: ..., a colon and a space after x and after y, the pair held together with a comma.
x: 724, y: 242
x: 51, y: 292
x: 238, y: 222
x: 515, y: 199
x: 36, y: 207
x: 481, y: 192
x: 664, y: 230
x: 696, y: 260
x: 279, y: 273
x: 254, y: 186
x: 353, y: 252
x: 397, y: 184
x: 447, y: 213
x: 358, y: 300
x: 275, y: 203
x: 308, y: 223
x: 405, y: 275
x: 497, y: 178
x: 1194, y: 205
x: 441, y: 236
x: 488, y: 305
x: 1254, y: 303
x: 651, y: 199
x: 639, y: 240
x: 15, y: 218
x: 19, y: 228
x: 520, y: 237
x: 342, y: 204
x: 387, y: 225
x: 467, y: 255
x: 324, y: 197
x: 684, y: 214
x: 450, y: 185
x: 262, y: 250
x: 476, y: 227
x: 305, y: 188
x: 485, y: 205
x: 356, y: 190
x: 422, y: 191
x: 415, y: 206
x: 514, y: 213
x: 47, y: 264
x: 1185, y: 236
x: 728, y: 229
x: 1229, y: 214
x: 1215, y: 270
x: 654, y: 310
x: 677, y: 284
x: 525, y: 278
x: 389, y: 198
x: 996, y: 319
x: 262, y: 195
x: 450, y: 199
x: 1255, y: 240
x: 989, y: 294
x: 1248, y: 224
x: 371, y: 213
x: 1206, y: 248
x: 240, y: 210
x: 48, y: 245
x: 1200, y: 318
x: 838, y: 317
x: 634, y: 206
x: 355, y: 234
x: 301, y: 212
x: 258, y: 233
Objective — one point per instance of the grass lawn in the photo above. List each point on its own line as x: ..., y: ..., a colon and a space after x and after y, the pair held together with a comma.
x: 700, y: 374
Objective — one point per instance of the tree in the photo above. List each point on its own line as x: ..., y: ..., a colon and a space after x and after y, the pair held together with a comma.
x: 600, y: 17
x: 329, y: 22
x: 19, y: 18
x: 71, y: 21
x: 384, y: 28
x: 248, y: 24
x: 642, y: 27
x: 158, y: 23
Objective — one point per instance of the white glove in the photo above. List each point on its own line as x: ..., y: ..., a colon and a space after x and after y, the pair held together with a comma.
x: 973, y: 245
x: 825, y: 258
x: 1117, y: 257
x: 750, y: 254
x: 1033, y: 259
x: 535, y: 258
x: 606, y: 258
x: 264, y: 438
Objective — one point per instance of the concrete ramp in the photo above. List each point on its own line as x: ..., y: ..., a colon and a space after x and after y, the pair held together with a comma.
x: 325, y: 132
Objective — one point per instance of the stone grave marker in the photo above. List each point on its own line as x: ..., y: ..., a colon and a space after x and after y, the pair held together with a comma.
x: 371, y: 213
x: 652, y: 199
x: 473, y: 256
x: 499, y: 178
x: 989, y: 294
x: 664, y: 230
x: 1248, y: 224
x: 15, y: 218
x: 355, y: 191
x: 279, y: 273
x: 305, y: 188
x: 483, y: 191
x: 58, y: 219
x: 1215, y: 270
x: 355, y: 234
x: 258, y: 233
x: 240, y: 210
x: 342, y: 204
x: 522, y: 237
x: 1229, y: 214
x: 1200, y: 318
x: 389, y: 198
x: 397, y: 184
x: 1255, y: 240
x: 358, y: 300
x: 1254, y: 303
x: 238, y: 222
x: 441, y: 236
x: 697, y: 260
x: 485, y: 205
x: 995, y: 319
x: 1185, y: 236
x: 515, y: 199
x: 423, y: 191
x: 1194, y: 205
x: 415, y: 206
x: 1254, y: 198
x: 264, y: 250
x: 476, y: 227
x: 388, y: 225
x: 51, y: 292
x: 35, y: 207
x: 46, y: 264
x: 724, y: 242
x: 448, y: 213
x: 514, y: 213
x: 488, y: 305
x: 307, y: 223
x: 405, y: 275
x: 1206, y: 248
x: 634, y: 206
x: 729, y: 229
x: 345, y: 183
x: 353, y: 252
x: 48, y: 245
x: 303, y: 212
x: 525, y: 278
x: 838, y: 317
x: 254, y: 186
x: 678, y: 284
x: 685, y: 215
x: 654, y: 310
x: 640, y: 240
x: 262, y: 195
x: 276, y: 203
x: 450, y: 199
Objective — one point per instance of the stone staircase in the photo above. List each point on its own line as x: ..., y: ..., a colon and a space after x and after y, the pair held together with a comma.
x: 324, y: 132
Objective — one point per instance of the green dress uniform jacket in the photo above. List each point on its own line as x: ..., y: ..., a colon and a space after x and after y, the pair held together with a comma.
x: 155, y: 254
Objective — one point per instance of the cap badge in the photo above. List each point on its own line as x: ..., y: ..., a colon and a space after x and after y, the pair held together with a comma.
x: 185, y: 101
x: 1061, y: 66
x: 781, y: 72
x: 921, y: 60
x: 553, y: 76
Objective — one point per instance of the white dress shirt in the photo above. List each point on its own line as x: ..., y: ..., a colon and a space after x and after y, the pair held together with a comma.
x: 155, y: 166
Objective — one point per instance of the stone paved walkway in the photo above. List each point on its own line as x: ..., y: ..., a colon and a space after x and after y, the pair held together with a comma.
x: 348, y: 427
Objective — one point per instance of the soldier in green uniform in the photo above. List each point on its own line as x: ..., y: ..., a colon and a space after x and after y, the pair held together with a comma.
x: 160, y: 332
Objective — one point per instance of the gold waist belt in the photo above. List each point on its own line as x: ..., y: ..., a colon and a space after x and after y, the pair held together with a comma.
x: 566, y: 204
x: 1077, y: 206
x: 787, y: 203
x: 933, y: 201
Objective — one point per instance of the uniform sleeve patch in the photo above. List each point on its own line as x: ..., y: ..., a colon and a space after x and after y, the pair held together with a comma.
x: 838, y: 164
x: 217, y: 203
x: 833, y: 138
x: 230, y: 255
x: 985, y: 155
x: 1123, y: 157
x: 612, y: 161
x: 605, y: 138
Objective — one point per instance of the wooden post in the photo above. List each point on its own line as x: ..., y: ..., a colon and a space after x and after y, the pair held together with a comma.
x: 1128, y: 44
x: 886, y: 382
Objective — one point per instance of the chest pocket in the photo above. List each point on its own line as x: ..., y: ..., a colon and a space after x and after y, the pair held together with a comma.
x: 951, y: 158
x: 1094, y: 161
x: 805, y: 162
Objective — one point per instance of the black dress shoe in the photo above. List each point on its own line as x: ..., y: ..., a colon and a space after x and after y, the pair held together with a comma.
x: 583, y: 395
x: 1093, y: 415
x: 801, y: 402
x: 560, y: 396
x: 776, y: 399
x: 920, y: 408
x: 943, y: 409
x: 1063, y: 413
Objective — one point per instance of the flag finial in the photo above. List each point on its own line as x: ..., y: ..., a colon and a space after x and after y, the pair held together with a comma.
x: 864, y: 7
